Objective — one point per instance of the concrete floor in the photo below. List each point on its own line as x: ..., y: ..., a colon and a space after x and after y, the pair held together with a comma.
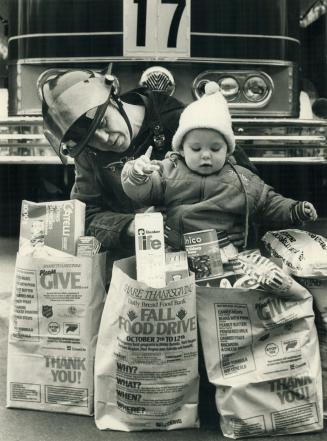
x: 25, y: 425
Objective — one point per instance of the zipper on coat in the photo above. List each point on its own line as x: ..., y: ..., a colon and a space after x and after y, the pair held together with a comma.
x: 202, y: 187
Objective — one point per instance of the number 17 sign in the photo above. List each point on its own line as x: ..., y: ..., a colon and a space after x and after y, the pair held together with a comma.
x: 157, y: 28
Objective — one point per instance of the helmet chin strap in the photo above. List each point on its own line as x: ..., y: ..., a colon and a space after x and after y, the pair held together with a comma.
x: 78, y: 148
x: 99, y: 114
x: 123, y: 113
x: 112, y: 94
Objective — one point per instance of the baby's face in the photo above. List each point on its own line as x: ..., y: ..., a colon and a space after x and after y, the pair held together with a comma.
x: 204, y: 151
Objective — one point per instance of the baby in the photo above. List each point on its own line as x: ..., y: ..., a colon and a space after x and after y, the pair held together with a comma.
x: 198, y: 183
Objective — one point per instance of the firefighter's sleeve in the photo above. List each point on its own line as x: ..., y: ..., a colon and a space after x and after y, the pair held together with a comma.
x: 242, y: 159
x: 101, y: 221
x: 145, y: 189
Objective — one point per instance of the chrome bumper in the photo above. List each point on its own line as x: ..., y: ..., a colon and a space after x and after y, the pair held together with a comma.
x: 282, y: 140
x: 265, y: 140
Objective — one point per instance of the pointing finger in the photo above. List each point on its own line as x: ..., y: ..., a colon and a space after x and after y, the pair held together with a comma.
x: 148, y: 153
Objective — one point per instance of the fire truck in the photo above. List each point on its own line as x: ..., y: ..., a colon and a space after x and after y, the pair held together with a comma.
x: 256, y: 50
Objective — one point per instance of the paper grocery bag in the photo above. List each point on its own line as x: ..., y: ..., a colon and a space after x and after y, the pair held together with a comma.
x: 261, y: 352
x: 304, y: 254
x: 318, y: 288
x: 55, y: 316
x: 146, y: 365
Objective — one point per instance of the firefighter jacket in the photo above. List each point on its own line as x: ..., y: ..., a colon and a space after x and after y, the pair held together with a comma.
x: 98, y: 174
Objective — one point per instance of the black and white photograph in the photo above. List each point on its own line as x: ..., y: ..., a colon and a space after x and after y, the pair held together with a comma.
x: 163, y: 220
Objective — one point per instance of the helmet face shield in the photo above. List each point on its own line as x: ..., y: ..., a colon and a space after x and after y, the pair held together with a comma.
x: 72, y: 148
x: 66, y: 98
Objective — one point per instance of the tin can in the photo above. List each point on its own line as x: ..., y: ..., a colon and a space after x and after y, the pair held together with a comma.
x: 203, y: 254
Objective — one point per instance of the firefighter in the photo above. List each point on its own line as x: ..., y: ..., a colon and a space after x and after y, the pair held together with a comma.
x: 85, y: 119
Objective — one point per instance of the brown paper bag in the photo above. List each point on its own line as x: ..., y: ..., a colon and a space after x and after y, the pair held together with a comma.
x: 304, y: 255
x: 55, y: 316
x: 318, y: 288
x: 146, y: 366
x: 261, y: 352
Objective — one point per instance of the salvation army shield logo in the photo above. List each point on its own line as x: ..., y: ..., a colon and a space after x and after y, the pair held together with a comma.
x: 47, y: 311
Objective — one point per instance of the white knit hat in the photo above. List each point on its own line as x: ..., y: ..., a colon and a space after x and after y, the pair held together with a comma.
x: 209, y: 112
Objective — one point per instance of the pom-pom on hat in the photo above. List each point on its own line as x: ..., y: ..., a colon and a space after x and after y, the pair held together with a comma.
x: 209, y: 112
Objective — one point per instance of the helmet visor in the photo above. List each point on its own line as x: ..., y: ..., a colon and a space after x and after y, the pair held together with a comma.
x: 81, y: 132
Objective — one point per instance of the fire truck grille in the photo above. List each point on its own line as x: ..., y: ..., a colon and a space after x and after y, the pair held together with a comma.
x: 158, y: 82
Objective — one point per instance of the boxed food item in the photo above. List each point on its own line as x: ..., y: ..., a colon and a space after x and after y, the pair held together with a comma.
x: 55, y: 224
x: 87, y: 246
x: 203, y: 254
x: 150, y: 249
x: 228, y: 251
x: 176, y: 266
x: 249, y: 269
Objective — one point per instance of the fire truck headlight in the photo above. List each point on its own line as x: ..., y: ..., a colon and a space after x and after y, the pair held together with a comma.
x: 198, y: 88
x: 256, y: 89
x: 229, y: 88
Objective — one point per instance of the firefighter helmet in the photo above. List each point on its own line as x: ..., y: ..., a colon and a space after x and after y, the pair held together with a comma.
x: 66, y: 97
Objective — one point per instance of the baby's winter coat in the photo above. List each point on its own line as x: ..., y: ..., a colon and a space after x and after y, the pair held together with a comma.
x: 195, y: 202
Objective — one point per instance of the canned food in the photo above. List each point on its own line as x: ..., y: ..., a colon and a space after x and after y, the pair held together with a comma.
x: 203, y: 254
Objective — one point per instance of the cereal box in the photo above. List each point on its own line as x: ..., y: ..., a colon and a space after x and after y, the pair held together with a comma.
x: 55, y: 224
x: 150, y: 249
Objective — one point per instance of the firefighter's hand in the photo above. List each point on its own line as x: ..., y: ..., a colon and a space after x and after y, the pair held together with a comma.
x: 157, y: 209
x: 310, y: 211
x: 236, y: 235
x: 173, y: 238
x: 144, y: 166
x: 130, y: 229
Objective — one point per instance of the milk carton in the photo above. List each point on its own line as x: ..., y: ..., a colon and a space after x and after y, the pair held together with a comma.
x: 150, y: 249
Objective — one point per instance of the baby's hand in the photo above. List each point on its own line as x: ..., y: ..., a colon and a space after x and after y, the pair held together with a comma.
x: 302, y: 212
x: 144, y: 165
x: 310, y: 211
